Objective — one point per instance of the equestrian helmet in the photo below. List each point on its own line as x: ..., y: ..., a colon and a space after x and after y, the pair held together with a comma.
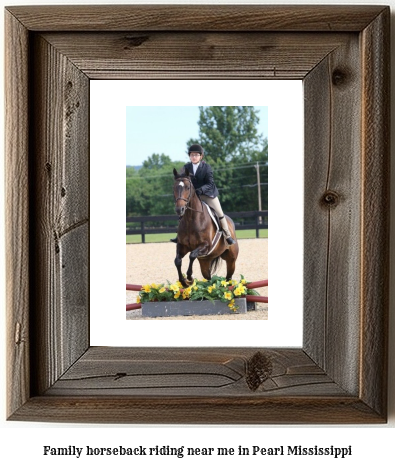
x: 196, y: 148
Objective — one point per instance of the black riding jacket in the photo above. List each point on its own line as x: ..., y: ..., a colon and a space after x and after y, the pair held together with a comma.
x: 203, y: 180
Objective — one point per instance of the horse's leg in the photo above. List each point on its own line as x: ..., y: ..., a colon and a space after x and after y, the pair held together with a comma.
x: 194, y: 254
x: 181, y: 252
x: 230, y: 257
x: 205, y: 268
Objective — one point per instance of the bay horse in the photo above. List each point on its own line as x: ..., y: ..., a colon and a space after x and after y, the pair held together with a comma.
x: 196, y: 232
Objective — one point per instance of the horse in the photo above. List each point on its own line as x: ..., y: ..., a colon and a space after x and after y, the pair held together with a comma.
x: 196, y: 232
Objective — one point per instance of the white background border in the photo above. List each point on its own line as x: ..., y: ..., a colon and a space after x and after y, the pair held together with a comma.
x: 109, y: 99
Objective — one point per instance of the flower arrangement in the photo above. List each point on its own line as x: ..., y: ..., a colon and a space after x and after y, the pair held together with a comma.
x: 218, y: 288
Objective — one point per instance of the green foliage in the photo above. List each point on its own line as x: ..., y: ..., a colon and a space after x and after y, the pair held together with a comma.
x: 149, y: 191
x: 233, y: 147
x: 132, y: 189
x: 218, y: 288
x: 228, y: 134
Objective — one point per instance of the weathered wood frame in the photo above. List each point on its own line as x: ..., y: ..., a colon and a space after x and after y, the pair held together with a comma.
x: 340, y: 373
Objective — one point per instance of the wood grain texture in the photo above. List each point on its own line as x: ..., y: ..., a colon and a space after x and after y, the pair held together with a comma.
x: 332, y: 214
x: 339, y: 375
x: 17, y: 213
x: 196, y: 17
x: 60, y: 185
x: 206, y: 372
x: 198, y: 410
x: 122, y: 385
x: 196, y: 55
x: 376, y: 207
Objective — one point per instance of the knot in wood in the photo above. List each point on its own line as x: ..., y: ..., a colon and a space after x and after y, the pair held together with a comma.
x: 339, y: 77
x: 259, y: 369
x: 120, y: 375
x: 133, y: 42
x: 330, y: 198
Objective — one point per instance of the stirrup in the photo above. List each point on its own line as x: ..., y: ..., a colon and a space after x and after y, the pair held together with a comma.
x: 230, y: 241
x: 174, y: 240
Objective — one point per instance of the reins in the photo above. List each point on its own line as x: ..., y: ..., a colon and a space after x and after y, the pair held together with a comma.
x: 189, y: 199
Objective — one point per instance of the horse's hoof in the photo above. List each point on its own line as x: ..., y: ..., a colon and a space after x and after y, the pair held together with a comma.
x: 189, y: 282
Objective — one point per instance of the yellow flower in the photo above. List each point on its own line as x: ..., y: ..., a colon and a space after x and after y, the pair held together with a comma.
x: 228, y: 295
x: 242, y: 288
x: 138, y: 300
x: 243, y: 281
x: 211, y: 288
x: 162, y: 290
x: 224, y: 283
x: 178, y: 283
x: 177, y: 294
x: 195, y: 288
x: 154, y: 286
x: 147, y: 288
x: 186, y: 293
x: 174, y: 288
x: 237, y: 291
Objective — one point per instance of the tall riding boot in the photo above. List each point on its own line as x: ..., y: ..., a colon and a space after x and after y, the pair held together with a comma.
x: 227, y: 234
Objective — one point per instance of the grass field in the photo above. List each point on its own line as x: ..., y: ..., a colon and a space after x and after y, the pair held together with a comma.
x: 165, y: 237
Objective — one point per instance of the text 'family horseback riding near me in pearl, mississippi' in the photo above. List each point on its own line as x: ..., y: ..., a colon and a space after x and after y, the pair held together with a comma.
x: 184, y: 451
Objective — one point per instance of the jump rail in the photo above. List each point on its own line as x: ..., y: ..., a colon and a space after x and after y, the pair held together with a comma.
x: 250, y: 298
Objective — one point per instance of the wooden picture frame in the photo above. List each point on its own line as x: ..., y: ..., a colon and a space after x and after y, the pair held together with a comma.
x: 340, y: 374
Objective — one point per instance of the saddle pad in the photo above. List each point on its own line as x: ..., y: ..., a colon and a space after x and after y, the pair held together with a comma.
x: 218, y: 233
x: 210, y: 211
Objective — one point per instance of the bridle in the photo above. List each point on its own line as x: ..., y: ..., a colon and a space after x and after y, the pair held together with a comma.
x: 187, y: 206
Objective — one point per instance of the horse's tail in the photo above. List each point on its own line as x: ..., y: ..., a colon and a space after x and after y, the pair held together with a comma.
x: 215, y: 264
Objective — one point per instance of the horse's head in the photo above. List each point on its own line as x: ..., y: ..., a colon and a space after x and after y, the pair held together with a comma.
x: 182, y: 190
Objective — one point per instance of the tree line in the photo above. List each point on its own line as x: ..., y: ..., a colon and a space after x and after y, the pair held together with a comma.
x: 234, y: 149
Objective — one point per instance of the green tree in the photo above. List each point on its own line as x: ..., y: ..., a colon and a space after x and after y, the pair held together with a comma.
x: 132, y: 191
x: 156, y: 162
x: 149, y: 190
x: 233, y: 145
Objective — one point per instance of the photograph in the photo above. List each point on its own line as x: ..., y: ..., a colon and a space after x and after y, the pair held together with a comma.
x: 197, y: 203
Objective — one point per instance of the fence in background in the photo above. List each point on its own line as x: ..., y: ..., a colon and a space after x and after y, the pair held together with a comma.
x: 154, y: 224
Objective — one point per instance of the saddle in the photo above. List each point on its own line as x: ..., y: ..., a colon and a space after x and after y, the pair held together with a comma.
x: 218, y: 233
x: 214, y: 217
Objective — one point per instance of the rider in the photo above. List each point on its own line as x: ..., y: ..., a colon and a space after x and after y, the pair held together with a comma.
x: 203, y: 182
